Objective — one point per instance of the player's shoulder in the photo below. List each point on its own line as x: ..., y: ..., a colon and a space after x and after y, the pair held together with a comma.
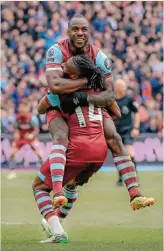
x: 129, y: 98
x: 103, y: 62
x: 132, y: 101
x: 53, y: 50
x: 55, y: 54
x: 94, y: 48
x: 101, y: 59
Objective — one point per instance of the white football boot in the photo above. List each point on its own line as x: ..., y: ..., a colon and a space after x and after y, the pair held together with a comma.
x: 58, y: 238
x: 11, y: 175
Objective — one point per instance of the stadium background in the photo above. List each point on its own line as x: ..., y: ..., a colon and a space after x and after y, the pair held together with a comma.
x: 130, y: 33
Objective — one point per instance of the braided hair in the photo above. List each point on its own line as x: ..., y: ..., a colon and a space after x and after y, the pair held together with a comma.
x: 87, y: 69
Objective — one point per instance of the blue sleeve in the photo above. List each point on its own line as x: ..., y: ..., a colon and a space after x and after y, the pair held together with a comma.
x: 53, y: 99
x: 34, y: 121
x: 54, y: 55
x: 103, y: 62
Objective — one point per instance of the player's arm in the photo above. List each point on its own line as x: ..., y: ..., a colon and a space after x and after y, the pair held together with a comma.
x: 105, y: 98
x: 54, y: 74
x: 35, y: 126
x: 43, y: 105
x: 59, y: 85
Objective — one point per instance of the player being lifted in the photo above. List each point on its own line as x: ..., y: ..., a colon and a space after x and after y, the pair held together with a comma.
x: 78, y: 43
x: 84, y: 156
x: 27, y: 129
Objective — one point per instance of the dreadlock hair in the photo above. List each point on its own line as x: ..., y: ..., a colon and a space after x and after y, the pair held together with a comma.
x: 87, y: 69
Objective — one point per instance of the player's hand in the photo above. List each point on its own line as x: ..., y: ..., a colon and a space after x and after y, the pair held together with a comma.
x: 115, y: 110
x: 135, y: 132
x: 73, y: 101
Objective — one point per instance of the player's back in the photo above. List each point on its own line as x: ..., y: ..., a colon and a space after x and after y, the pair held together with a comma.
x: 86, y: 136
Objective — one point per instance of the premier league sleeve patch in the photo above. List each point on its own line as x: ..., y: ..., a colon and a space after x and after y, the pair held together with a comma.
x: 51, y: 52
x: 108, y: 63
x: 103, y: 62
x: 54, y: 55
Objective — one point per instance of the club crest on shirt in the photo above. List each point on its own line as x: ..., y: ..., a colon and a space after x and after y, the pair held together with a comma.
x: 125, y: 110
x: 51, y: 52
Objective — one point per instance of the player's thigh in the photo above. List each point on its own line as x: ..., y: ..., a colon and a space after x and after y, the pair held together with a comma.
x: 38, y: 184
x: 35, y: 144
x: 72, y: 170
x: 111, y: 135
x: 85, y: 175
x: 113, y: 139
x: 58, y: 127
x: 109, y: 127
x: 14, y: 149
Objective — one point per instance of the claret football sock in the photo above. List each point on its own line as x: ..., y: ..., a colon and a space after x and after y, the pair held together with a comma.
x: 57, y: 161
x: 127, y: 172
x: 44, y: 203
x: 71, y: 194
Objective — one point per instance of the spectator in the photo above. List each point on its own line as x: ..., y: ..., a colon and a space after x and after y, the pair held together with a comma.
x: 130, y: 33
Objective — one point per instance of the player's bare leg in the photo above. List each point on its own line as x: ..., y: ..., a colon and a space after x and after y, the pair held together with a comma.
x: 37, y: 150
x: 59, y: 132
x: 45, y: 205
x: 125, y: 166
x: 12, y: 172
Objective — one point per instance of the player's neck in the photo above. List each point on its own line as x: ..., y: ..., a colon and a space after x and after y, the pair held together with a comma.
x: 77, y: 51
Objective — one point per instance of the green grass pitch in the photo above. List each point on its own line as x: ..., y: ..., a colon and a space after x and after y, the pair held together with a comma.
x: 101, y: 220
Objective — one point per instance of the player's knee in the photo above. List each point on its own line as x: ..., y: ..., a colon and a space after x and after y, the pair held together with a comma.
x: 34, y: 185
x: 37, y: 184
x: 60, y: 135
x: 114, y: 139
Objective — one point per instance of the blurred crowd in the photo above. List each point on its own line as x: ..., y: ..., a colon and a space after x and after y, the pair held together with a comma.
x: 130, y: 33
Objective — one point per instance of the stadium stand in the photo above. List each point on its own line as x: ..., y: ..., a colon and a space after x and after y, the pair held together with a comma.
x: 130, y: 33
